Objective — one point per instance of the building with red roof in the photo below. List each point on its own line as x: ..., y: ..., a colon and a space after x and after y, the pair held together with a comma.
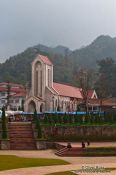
x: 46, y: 95
x: 16, y: 94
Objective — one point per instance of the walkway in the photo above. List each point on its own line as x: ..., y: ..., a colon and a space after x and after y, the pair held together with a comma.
x: 76, y: 163
x: 51, y: 169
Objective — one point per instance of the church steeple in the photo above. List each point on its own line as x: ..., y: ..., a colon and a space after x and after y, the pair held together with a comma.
x: 42, y: 75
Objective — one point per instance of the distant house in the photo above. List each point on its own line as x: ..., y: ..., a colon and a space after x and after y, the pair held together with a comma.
x: 105, y: 104
x: 16, y: 94
x: 46, y: 95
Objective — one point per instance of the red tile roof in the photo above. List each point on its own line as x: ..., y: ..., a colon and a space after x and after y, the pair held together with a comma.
x: 17, y: 89
x: 21, y: 94
x: 45, y: 59
x: 68, y: 91
x: 11, y: 84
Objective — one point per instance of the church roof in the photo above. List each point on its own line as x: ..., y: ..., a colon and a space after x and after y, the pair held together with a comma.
x: 68, y: 91
x: 45, y: 59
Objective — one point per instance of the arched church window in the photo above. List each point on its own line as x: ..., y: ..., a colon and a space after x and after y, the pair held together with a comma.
x: 49, y: 78
x: 38, y: 79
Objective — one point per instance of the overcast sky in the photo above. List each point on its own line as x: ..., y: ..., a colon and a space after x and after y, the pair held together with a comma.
x: 72, y: 23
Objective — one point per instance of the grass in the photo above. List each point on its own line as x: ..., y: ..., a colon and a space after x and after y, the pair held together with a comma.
x: 100, y: 151
x: 110, y: 169
x: 63, y: 173
x: 8, y: 162
x: 71, y: 173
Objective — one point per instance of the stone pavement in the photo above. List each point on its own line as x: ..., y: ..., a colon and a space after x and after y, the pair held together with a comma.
x: 76, y: 163
x: 51, y: 169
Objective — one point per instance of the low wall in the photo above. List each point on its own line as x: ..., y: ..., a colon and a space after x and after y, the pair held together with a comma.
x: 77, y: 133
x: 5, y: 144
x: 41, y: 145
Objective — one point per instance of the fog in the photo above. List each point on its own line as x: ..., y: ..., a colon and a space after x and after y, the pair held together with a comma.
x: 72, y: 23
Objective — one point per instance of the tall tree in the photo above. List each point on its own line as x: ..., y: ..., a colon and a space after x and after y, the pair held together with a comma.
x: 37, y: 123
x: 8, y: 89
x: 4, y: 128
x: 85, y: 83
x: 106, y: 82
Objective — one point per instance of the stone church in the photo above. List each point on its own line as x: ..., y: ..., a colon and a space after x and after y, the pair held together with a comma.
x: 46, y: 95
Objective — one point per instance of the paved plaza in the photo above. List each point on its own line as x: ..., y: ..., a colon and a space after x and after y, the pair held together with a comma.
x: 76, y: 163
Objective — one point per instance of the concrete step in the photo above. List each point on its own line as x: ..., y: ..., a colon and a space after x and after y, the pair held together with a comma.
x: 21, y: 136
x: 72, y: 152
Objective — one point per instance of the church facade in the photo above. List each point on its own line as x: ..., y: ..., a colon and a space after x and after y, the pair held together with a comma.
x: 45, y: 95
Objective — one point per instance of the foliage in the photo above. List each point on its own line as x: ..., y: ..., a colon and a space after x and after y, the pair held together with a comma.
x: 89, y: 119
x: 106, y: 83
x: 4, y: 128
x: 38, y: 127
x: 66, y: 63
x: 8, y: 162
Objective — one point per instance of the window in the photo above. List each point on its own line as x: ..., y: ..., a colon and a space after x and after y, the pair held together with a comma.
x: 3, y: 101
x: 17, y: 101
x: 11, y: 101
x: 3, y: 93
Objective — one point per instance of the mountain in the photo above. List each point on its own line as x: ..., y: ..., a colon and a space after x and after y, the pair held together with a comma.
x: 18, y: 67
x: 100, y: 48
x: 62, y: 50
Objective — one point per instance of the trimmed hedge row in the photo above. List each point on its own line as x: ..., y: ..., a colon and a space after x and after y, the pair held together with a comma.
x: 79, y: 119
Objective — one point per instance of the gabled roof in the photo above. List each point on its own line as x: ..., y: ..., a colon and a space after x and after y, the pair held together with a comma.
x: 92, y: 94
x: 45, y: 59
x: 68, y: 91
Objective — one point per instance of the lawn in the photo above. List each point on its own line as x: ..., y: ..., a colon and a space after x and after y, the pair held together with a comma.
x: 13, y: 162
x: 100, y: 151
x: 63, y: 173
x: 71, y: 173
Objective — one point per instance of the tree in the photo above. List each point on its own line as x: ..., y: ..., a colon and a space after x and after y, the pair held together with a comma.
x: 4, y: 128
x: 106, y: 82
x: 37, y: 123
x: 8, y: 90
x: 85, y: 83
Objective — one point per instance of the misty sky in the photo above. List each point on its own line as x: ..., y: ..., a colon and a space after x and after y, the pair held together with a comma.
x: 72, y: 23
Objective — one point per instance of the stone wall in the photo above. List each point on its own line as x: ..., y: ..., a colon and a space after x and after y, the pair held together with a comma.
x: 93, y: 133
x: 42, y: 145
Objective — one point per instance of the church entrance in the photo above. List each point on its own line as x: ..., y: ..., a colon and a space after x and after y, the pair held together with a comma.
x: 42, y: 108
x: 31, y: 106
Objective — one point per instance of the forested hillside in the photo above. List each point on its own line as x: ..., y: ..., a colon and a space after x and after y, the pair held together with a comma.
x: 66, y: 62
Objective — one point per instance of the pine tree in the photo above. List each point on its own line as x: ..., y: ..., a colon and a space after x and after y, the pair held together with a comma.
x: 38, y: 127
x: 4, y: 128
